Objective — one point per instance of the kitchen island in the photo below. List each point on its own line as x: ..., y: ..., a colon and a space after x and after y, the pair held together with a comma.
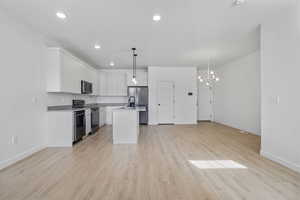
x: 126, y: 125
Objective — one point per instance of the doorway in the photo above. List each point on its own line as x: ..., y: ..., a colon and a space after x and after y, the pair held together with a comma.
x: 165, y: 102
x: 205, y: 100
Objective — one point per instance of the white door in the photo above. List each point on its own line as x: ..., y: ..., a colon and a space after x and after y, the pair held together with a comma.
x: 165, y: 102
x: 204, y: 102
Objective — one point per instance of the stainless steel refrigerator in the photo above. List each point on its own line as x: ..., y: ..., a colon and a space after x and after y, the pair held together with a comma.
x: 141, y: 99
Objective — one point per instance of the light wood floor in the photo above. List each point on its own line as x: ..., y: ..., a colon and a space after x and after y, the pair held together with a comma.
x: 204, y: 161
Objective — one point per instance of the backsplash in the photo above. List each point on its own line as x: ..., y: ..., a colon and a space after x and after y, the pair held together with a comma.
x: 112, y: 99
x: 56, y: 99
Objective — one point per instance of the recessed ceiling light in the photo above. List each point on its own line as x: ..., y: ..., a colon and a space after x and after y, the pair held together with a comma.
x: 112, y: 63
x: 61, y: 15
x: 156, y: 18
x: 97, y: 46
x: 239, y: 2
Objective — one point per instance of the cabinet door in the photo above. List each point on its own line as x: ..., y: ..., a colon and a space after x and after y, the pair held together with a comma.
x: 119, y: 86
x: 102, y: 84
x: 116, y: 84
x: 109, y: 113
x: 123, y: 85
x: 102, y: 118
x: 95, y: 82
x: 88, y: 127
x: 110, y: 84
x: 71, y: 70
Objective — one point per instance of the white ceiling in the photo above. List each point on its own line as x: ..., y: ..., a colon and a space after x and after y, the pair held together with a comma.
x: 190, y: 32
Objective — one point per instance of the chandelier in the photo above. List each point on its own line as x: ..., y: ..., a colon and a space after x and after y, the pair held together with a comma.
x: 209, y: 77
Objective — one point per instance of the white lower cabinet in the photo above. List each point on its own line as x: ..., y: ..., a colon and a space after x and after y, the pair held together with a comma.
x: 60, y: 128
x: 102, y: 116
x: 109, y: 111
x: 88, y: 127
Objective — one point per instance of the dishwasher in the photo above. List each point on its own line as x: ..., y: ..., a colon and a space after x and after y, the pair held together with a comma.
x: 94, y: 119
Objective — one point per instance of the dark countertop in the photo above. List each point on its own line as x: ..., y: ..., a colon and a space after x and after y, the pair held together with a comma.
x: 69, y: 107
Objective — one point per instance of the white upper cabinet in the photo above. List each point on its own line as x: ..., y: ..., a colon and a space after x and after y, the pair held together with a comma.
x: 102, y: 83
x: 64, y: 72
x: 112, y: 83
x: 71, y: 71
x: 141, y: 77
x: 95, y: 82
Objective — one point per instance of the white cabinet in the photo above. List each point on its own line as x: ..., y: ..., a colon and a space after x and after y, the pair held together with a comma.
x: 109, y: 113
x: 95, y: 82
x: 64, y: 72
x: 125, y: 126
x: 102, y: 84
x: 141, y: 77
x: 71, y: 69
x: 112, y: 83
x: 102, y: 116
x: 60, y: 128
x: 88, y: 127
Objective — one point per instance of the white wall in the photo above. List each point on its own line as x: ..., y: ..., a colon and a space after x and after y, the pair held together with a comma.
x: 23, y: 97
x: 280, y: 47
x: 237, y: 95
x: 185, y: 80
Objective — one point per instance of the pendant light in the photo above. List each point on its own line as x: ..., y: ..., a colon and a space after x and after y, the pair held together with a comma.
x: 134, y: 55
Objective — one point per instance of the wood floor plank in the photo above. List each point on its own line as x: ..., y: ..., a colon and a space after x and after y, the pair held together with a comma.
x: 182, y: 162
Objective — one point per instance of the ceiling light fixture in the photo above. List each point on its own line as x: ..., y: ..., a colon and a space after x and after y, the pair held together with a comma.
x: 61, y: 15
x: 238, y: 2
x: 156, y: 18
x: 209, y: 78
x: 112, y: 63
x: 97, y: 46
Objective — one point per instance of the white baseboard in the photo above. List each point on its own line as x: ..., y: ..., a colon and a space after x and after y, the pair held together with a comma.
x: 186, y: 123
x: 20, y: 156
x: 281, y: 161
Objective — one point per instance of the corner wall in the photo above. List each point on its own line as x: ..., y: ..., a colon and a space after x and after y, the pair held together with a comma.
x: 237, y: 95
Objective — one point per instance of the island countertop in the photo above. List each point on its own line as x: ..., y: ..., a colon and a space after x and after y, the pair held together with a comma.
x: 136, y: 108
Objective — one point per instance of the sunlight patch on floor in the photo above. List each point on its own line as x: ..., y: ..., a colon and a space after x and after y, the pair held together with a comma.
x: 217, y: 164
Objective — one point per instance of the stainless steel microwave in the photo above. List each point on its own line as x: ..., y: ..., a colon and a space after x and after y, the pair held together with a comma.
x: 86, y: 87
